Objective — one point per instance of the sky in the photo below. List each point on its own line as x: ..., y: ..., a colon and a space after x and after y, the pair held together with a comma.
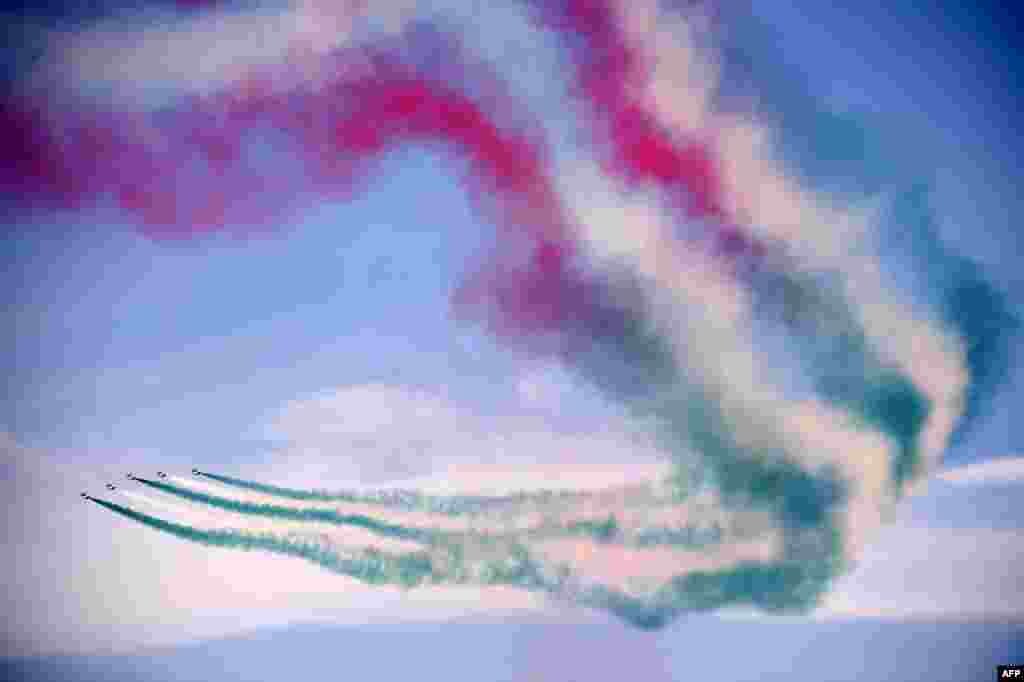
x: 524, y: 297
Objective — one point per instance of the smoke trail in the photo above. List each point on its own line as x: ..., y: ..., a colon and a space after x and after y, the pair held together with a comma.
x: 968, y: 301
x: 392, y: 498
x: 839, y: 149
x: 291, y: 513
x: 638, y: 516
x: 180, y: 509
x: 369, y: 566
x: 661, y: 121
x: 657, y: 299
x: 511, y: 563
x: 155, y: 166
x: 607, y: 75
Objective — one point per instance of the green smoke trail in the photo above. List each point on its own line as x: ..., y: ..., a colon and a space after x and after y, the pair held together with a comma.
x: 513, y: 566
x: 851, y: 152
x: 371, y: 566
x: 690, y: 415
x: 767, y: 478
x: 636, y: 366
x: 298, y: 514
x: 395, y: 499
x: 982, y: 315
x: 290, y: 493
x: 605, y: 530
x: 846, y: 371
x: 780, y: 587
x: 783, y: 585
x: 631, y: 362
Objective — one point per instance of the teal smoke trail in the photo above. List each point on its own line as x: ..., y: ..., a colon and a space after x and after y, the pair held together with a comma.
x: 689, y: 416
x: 448, y: 505
x: 852, y: 152
x: 374, y: 567
x: 297, y: 514
x: 608, y: 68
x: 968, y: 301
x: 560, y: 521
x: 397, y: 498
x: 844, y: 368
x: 370, y: 566
x: 777, y: 585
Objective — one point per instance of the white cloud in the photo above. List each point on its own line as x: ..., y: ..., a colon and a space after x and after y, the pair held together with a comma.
x: 995, y: 470
x: 380, y: 433
x: 916, y: 572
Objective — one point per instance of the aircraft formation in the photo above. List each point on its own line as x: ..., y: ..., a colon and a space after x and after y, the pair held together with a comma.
x: 132, y: 477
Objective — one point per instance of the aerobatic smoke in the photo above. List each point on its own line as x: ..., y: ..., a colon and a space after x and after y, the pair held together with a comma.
x: 650, y: 252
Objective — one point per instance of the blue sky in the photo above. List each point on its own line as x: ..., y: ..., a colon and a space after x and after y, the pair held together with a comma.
x: 324, y: 303
x: 134, y: 354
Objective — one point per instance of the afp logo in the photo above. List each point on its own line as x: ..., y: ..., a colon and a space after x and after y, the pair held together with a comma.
x: 1010, y: 672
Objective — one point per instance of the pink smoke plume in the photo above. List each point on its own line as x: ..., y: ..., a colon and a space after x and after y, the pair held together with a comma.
x: 640, y: 148
x: 190, y: 170
x: 607, y: 70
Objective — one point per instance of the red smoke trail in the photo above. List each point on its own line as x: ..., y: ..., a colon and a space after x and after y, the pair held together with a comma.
x: 608, y: 70
x: 191, y: 170
x: 60, y: 159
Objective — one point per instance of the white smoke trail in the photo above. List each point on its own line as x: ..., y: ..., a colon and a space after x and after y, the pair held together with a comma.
x: 820, y: 232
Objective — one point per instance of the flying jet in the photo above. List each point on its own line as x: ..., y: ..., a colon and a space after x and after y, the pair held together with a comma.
x: 111, y: 486
x: 161, y: 474
x: 86, y: 496
x: 196, y: 472
x: 130, y: 476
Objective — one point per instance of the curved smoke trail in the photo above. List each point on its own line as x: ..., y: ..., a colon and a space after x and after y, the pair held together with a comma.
x: 650, y: 253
